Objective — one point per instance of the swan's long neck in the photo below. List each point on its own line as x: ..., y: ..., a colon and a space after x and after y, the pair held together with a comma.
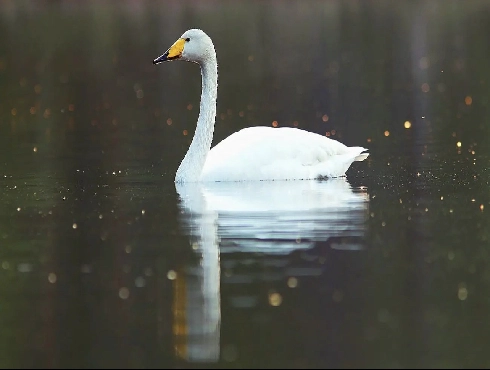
x: 191, y: 166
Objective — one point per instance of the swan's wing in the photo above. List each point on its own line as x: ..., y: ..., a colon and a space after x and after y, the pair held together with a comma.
x: 266, y: 153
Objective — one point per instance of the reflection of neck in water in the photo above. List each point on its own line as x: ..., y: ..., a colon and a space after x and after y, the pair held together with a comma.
x: 269, y: 217
x: 197, y: 309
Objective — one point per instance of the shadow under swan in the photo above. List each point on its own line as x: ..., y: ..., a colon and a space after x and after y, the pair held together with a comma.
x: 274, y: 218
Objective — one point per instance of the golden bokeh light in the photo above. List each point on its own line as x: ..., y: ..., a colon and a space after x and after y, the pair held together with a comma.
x: 292, y: 282
x: 462, y: 292
x: 52, y: 278
x: 124, y: 293
x: 275, y: 299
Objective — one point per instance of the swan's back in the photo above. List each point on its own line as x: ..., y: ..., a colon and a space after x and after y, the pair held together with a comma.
x: 266, y: 153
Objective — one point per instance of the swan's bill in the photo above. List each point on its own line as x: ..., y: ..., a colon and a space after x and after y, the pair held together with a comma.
x: 174, y: 52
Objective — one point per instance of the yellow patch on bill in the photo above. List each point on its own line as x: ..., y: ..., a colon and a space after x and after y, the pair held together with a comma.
x: 176, y: 49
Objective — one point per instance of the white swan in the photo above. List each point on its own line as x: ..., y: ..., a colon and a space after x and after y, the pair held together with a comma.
x: 254, y: 153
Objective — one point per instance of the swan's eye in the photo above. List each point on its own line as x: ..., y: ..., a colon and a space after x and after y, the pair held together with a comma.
x: 187, y: 39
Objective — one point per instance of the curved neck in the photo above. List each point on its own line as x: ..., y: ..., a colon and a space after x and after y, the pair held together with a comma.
x: 191, y: 166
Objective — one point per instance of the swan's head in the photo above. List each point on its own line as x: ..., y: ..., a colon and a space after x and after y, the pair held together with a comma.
x: 193, y: 46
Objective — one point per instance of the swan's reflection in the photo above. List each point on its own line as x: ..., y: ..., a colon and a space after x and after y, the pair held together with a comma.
x: 261, y: 217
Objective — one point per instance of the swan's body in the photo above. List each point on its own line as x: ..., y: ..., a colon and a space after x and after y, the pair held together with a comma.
x: 254, y: 153
x: 267, y: 153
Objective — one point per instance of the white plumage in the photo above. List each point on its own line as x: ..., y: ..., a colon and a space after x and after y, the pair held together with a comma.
x: 254, y: 153
x: 267, y: 153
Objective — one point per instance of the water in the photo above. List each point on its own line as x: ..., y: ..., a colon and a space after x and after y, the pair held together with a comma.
x: 104, y: 262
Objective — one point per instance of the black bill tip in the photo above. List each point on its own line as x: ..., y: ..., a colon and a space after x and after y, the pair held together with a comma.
x: 161, y: 58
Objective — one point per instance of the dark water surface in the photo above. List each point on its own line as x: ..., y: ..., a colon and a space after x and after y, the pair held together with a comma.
x: 104, y: 262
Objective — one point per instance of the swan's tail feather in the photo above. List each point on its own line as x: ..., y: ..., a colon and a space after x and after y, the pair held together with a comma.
x: 361, y: 157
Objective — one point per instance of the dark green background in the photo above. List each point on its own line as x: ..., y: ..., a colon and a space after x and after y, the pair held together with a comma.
x: 84, y: 132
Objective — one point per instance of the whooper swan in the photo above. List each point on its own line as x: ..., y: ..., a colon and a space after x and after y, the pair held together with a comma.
x: 254, y: 153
